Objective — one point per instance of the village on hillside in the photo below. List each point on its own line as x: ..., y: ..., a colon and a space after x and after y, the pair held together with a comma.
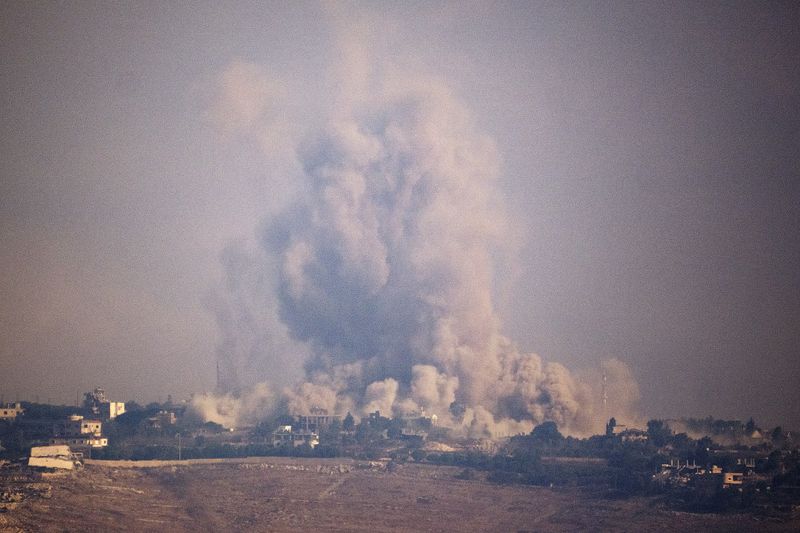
x: 695, y: 465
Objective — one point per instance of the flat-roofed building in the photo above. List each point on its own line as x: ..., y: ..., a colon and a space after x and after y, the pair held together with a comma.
x: 111, y: 410
x: 56, y: 457
x: 76, y: 426
x: 730, y: 479
x: 85, y: 441
x: 286, y: 436
x: 9, y: 411
x: 317, y: 420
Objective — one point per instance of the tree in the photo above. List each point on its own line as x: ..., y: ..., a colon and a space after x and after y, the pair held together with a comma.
x: 127, y: 424
x: 702, y: 449
x: 348, y: 424
x: 457, y: 410
x: 547, y: 433
x: 15, y: 444
x: 395, y: 428
x: 213, y: 427
x: 681, y: 443
x: 658, y: 432
x: 750, y: 427
x: 331, y: 435
x: 773, y: 461
x: 612, y: 423
x: 41, y: 410
x: 777, y: 436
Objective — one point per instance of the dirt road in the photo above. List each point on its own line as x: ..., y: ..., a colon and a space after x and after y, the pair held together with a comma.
x: 286, y: 494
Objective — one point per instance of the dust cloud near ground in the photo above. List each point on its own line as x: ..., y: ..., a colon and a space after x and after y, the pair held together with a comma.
x: 282, y: 494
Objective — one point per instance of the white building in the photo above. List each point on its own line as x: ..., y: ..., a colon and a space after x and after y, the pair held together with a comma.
x: 284, y: 436
x: 111, y: 410
x: 60, y: 457
x: 318, y: 420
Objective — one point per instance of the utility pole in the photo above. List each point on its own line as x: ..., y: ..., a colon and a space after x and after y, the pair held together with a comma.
x: 179, y: 445
x: 605, y: 397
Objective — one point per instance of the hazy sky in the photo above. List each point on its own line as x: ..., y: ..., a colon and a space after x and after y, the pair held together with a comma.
x: 650, y: 165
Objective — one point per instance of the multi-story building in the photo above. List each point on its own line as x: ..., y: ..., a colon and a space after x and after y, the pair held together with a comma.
x: 111, y: 410
x: 285, y: 436
x: 78, y: 432
x: 77, y: 426
x: 318, y: 420
x: 161, y: 420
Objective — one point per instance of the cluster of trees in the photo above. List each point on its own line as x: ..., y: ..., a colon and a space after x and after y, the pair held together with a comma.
x: 625, y: 468
x: 628, y: 466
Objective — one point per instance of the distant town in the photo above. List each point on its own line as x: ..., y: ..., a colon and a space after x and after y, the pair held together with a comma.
x: 694, y: 465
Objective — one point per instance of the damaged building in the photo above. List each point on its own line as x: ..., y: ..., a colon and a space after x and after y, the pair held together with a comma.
x: 286, y: 435
x: 56, y: 457
x: 79, y: 432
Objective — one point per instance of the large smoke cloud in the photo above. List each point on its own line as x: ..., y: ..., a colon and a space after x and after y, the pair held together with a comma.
x: 384, y: 272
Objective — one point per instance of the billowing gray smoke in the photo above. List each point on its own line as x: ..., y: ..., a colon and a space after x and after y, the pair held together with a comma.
x: 385, y: 267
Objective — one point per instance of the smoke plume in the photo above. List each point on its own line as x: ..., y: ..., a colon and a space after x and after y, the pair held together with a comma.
x: 383, y: 271
x: 231, y: 410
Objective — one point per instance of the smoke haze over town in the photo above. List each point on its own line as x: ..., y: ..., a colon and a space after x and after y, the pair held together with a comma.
x: 397, y: 208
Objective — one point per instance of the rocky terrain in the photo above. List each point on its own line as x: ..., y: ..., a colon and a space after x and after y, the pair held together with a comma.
x: 285, y: 494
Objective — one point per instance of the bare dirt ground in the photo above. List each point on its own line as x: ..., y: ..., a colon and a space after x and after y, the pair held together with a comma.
x: 281, y: 494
